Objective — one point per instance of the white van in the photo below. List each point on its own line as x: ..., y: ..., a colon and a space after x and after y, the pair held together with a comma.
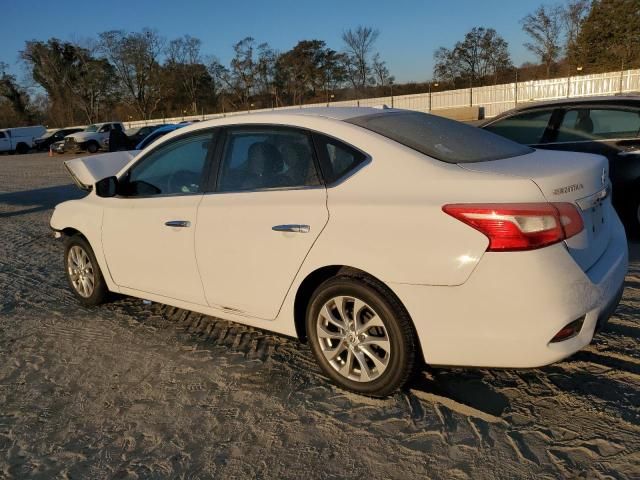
x: 20, y: 139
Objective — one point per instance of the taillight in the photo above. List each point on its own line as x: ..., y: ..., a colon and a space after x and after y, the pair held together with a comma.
x: 519, y: 226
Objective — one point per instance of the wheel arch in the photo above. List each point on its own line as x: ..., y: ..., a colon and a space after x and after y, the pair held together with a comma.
x: 314, y: 279
x: 70, y: 232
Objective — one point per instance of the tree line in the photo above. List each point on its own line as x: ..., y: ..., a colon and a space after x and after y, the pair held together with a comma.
x: 141, y: 75
x: 592, y: 36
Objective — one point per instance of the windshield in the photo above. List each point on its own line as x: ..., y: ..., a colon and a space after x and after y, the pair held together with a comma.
x: 440, y: 138
x: 91, y: 128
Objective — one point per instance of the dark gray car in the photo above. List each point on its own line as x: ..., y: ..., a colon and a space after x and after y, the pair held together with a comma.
x: 608, y: 126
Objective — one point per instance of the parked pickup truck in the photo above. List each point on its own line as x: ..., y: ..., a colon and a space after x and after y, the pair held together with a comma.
x: 92, y: 138
x: 20, y: 139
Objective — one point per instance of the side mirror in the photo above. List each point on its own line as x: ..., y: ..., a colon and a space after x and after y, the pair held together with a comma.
x: 107, y: 187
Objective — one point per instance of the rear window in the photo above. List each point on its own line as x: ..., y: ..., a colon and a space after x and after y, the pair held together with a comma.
x: 441, y: 138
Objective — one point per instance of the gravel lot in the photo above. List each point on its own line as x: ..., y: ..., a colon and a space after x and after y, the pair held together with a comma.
x: 130, y: 390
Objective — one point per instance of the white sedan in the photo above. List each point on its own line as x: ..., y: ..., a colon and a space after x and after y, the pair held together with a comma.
x: 385, y: 238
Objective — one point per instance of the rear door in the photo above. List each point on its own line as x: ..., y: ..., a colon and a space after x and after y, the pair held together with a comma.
x: 254, y: 231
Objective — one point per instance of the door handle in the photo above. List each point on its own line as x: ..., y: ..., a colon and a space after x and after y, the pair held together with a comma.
x: 178, y: 223
x: 291, y: 228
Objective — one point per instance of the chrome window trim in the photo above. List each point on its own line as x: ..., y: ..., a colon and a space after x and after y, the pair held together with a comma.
x: 272, y: 189
x: 590, y: 141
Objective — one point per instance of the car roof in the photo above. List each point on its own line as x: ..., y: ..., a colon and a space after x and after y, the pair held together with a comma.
x: 170, y: 127
x: 335, y: 113
x: 624, y: 100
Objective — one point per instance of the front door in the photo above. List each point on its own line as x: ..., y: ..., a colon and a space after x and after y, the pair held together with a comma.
x: 5, y: 142
x: 148, y: 229
x: 255, y: 230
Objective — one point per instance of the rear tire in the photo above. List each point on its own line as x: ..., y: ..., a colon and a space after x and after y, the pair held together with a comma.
x: 361, y: 335
x: 22, y: 148
x: 83, y: 273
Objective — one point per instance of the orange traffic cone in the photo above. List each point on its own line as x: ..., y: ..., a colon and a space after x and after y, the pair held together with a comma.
x: 50, y: 151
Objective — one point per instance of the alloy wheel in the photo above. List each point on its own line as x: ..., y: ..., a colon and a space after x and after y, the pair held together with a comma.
x: 353, y: 338
x: 81, y: 271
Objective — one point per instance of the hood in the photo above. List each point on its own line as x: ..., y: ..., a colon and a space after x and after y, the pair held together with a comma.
x: 86, y: 171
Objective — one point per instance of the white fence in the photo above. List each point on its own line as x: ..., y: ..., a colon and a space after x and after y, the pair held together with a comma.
x: 494, y: 98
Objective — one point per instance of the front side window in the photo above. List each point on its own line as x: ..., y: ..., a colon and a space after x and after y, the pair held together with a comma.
x: 598, y: 124
x: 2, y: 135
x: 174, y: 168
x: 263, y: 158
x: 526, y: 128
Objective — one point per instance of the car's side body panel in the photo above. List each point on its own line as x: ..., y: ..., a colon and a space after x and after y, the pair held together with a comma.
x: 244, y: 263
x: 469, y: 307
x: 513, y: 305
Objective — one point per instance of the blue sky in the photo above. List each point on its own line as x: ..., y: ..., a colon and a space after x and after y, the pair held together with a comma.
x: 410, y: 30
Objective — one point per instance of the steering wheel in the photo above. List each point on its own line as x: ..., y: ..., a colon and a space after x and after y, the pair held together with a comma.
x: 183, y: 181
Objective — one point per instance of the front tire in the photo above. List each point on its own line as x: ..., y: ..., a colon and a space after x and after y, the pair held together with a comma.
x: 361, y: 336
x: 92, y: 147
x: 83, y: 273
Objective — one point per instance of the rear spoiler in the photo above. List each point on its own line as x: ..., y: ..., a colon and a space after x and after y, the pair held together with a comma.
x: 86, y: 171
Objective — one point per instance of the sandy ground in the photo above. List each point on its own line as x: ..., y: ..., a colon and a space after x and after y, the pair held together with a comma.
x: 129, y: 390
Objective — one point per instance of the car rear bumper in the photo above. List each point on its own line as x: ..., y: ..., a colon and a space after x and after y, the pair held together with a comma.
x: 514, y: 303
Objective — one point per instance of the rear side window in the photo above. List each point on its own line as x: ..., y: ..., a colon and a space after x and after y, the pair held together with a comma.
x: 441, y: 138
x: 336, y: 158
x: 265, y: 158
x: 526, y: 128
x: 598, y: 124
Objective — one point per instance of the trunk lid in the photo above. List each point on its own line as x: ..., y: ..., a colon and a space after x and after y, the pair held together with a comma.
x: 577, y: 178
x: 86, y: 171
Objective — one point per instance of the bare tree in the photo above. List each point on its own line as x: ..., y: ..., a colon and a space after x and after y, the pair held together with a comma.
x: 183, y: 56
x: 544, y: 26
x: 93, y: 82
x: 381, y: 75
x: 243, y: 70
x: 482, y: 54
x: 573, y: 14
x: 359, y: 46
x: 135, y: 57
